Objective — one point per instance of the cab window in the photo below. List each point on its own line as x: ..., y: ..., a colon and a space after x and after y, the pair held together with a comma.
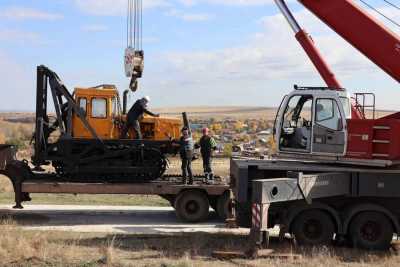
x: 114, y: 107
x: 99, y: 108
x: 298, y: 111
x: 296, y: 125
x: 83, y: 105
x: 328, y: 114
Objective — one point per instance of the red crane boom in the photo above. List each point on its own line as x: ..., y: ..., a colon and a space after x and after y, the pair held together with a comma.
x: 314, y: 54
x: 361, y: 30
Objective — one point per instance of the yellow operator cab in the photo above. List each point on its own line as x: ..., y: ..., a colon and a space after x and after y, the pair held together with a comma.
x: 102, y: 108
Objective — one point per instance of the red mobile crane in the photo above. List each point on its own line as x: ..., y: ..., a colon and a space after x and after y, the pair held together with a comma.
x: 336, y: 175
x: 356, y: 140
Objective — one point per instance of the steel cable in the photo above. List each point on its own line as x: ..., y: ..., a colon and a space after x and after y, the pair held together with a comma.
x: 391, y: 4
x: 380, y: 13
x: 134, y: 24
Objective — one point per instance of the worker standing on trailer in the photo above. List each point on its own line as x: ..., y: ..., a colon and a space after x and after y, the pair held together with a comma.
x: 186, y: 151
x: 134, y: 115
x: 207, y: 146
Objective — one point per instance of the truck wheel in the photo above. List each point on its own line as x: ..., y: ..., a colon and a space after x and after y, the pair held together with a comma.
x: 223, y: 205
x: 192, y: 206
x: 371, y: 230
x: 313, y: 227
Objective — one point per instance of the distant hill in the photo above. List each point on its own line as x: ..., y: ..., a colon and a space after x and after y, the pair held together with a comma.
x: 220, y: 112
x: 200, y: 112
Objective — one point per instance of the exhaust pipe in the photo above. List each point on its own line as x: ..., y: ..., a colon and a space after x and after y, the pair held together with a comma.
x: 125, y: 101
x: 186, y: 121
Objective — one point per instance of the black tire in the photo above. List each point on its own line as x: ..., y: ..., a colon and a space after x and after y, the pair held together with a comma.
x: 313, y: 227
x: 223, y: 206
x: 192, y: 206
x: 371, y: 230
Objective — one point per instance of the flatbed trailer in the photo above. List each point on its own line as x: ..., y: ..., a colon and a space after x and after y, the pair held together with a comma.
x: 191, y: 202
x: 317, y: 203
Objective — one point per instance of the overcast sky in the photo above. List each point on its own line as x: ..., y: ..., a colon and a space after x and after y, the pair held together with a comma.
x: 197, y: 52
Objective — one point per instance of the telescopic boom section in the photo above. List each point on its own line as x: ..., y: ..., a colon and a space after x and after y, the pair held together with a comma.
x: 309, y: 47
x: 313, y: 53
x: 361, y: 30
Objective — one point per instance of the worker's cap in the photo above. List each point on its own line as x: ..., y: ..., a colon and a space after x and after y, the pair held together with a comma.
x: 147, y: 98
x: 206, y: 130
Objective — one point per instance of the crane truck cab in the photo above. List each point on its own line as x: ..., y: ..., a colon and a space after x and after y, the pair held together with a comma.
x: 312, y: 120
x: 101, y: 107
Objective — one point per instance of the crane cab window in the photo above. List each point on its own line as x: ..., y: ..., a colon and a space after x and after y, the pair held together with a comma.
x: 83, y: 105
x: 99, y: 108
x: 296, y: 125
x: 328, y: 114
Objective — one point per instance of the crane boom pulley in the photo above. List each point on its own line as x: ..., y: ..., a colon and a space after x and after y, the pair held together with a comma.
x: 134, y: 54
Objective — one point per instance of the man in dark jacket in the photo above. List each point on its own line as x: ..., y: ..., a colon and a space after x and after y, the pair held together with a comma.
x: 134, y: 115
x: 186, y: 152
x: 207, y: 146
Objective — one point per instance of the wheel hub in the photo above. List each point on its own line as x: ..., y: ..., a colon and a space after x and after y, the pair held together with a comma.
x: 370, y: 231
x: 313, y: 229
x: 192, y: 207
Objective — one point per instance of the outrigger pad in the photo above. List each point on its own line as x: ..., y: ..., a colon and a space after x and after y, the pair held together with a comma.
x: 7, y: 154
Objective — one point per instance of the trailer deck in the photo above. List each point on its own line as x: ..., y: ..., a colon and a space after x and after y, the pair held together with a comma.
x: 191, y: 202
x: 166, y: 187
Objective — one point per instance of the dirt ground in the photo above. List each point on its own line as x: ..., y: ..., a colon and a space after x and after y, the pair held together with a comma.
x: 30, y: 248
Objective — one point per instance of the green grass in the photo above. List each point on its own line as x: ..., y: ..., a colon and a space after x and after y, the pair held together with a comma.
x: 111, y: 200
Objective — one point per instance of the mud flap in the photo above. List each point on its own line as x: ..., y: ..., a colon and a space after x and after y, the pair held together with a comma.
x: 18, y: 172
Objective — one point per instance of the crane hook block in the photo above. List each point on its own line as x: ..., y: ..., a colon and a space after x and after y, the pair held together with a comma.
x: 134, y: 62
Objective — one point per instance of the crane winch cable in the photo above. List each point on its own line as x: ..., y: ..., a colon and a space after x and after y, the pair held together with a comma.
x: 128, y: 24
x: 141, y: 25
x: 134, y: 54
x: 391, y: 4
x: 380, y: 13
x: 134, y: 24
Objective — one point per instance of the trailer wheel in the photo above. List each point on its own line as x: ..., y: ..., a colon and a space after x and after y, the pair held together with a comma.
x: 192, y: 206
x: 313, y: 227
x: 371, y: 230
x: 223, y: 205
